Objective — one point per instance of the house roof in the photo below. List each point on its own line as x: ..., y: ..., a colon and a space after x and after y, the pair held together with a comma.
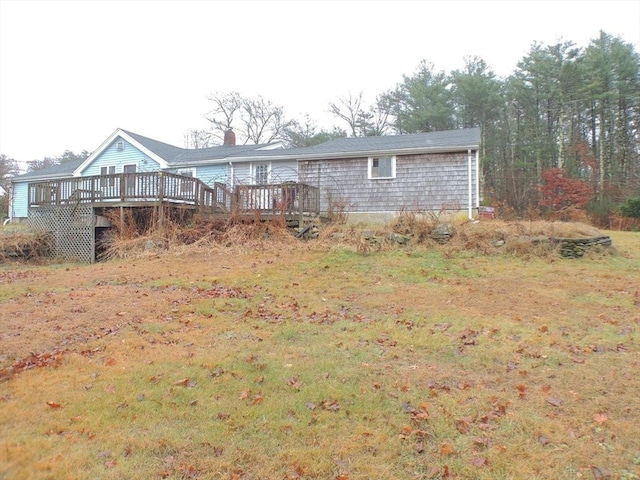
x: 350, y: 147
x: 176, y: 156
x: 60, y: 170
x: 172, y: 156
x: 463, y: 138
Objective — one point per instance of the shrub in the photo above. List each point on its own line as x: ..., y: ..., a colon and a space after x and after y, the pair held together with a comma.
x: 631, y: 208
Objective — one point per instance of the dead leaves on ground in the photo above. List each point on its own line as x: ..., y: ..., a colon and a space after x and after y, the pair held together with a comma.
x: 34, y: 360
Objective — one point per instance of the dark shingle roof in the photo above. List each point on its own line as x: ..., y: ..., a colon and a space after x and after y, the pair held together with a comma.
x: 463, y: 138
x: 163, y: 150
x: 59, y: 170
x: 181, y: 156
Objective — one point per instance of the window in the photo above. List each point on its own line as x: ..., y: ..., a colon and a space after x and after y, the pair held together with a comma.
x: 120, y: 146
x: 261, y: 173
x: 110, y: 181
x: 382, y: 167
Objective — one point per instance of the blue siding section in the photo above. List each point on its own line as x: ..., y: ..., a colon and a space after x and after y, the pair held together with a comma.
x: 19, y: 201
x: 209, y: 174
x: 129, y: 155
x: 213, y: 173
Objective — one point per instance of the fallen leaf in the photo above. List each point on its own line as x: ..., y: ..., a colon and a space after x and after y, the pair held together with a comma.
x: 462, y: 424
x: 185, y: 382
x: 555, y: 401
x: 54, y: 404
x: 479, y: 461
x: 446, y: 448
x: 600, y: 418
x: 600, y: 473
x: 543, y: 440
x: 522, y: 390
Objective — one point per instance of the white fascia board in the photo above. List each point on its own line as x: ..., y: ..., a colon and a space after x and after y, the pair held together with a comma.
x: 272, y: 146
x: 103, y: 146
x: 392, y: 152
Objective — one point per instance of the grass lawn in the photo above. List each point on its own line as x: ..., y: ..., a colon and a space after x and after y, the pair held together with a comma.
x: 317, y: 362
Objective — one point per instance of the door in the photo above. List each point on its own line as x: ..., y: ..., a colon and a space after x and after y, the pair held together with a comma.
x: 130, y: 180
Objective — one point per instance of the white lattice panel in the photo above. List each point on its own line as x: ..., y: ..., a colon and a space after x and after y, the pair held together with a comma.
x: 72, y: 229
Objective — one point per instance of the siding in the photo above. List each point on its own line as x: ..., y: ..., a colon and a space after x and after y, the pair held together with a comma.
x: 285, y: 171
x: 423, y: 182
x: 208, y: 174
x: 19, y: 200
x: 130, y: 155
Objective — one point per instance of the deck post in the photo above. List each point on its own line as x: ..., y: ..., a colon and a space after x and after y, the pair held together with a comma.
x: 301, y: 205
x: 160, y: 199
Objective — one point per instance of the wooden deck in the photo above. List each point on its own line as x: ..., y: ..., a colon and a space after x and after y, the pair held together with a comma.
x: 291, y: 199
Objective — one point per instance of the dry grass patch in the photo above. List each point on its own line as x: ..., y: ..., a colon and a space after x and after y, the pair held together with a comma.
x: 318, y: 362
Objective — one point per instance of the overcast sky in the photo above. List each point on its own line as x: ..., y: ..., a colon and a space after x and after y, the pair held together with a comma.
x: 71, y: 72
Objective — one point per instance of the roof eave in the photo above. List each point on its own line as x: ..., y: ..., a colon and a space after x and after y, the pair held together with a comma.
x: 394, y: 151
x: 103, y: 146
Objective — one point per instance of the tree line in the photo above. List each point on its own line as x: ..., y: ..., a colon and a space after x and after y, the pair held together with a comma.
x: 566, y: 121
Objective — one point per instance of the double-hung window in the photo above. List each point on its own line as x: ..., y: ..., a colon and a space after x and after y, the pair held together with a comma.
x: 382, y: 167
x: 261, y: 173
x: 109, y: 181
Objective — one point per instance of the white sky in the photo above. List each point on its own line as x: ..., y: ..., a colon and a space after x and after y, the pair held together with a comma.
x: 71, y: 72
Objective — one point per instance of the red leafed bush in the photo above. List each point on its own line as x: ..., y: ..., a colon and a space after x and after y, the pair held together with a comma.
x: 560, y: 191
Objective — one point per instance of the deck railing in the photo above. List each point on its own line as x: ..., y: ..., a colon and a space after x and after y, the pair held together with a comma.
x: 124, y: 187
x: 290, y: 198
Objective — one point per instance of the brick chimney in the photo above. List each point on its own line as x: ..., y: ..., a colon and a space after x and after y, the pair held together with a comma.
x: 229, y: 137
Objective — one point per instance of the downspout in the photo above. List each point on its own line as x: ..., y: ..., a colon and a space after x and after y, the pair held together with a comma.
x: 470, y: 185
x: 477, y: 178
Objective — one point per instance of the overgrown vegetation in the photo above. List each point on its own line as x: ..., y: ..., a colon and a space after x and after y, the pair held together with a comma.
x: 18, y: 243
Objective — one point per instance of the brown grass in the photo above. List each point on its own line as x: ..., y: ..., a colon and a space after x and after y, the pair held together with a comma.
x: 278, y: 358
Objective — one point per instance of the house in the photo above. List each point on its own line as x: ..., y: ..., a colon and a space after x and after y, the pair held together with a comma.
x: 369, y: 178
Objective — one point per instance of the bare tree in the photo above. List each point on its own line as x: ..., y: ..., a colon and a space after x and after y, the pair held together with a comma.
x: 363, y: 121
x: 262, y: 121
x: 198, y: 138
x: 226, y: 109
x: 254, y: 120
x: 305, y: 133
x: 349, y: 109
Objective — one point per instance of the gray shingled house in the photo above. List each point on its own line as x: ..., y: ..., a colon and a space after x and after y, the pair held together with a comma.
x: 368, y: 176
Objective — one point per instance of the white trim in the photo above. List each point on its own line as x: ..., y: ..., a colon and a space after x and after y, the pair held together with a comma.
x: 470, y: 182
x: 477, y: 178
x: 379, y: 157
x: 104, y: 145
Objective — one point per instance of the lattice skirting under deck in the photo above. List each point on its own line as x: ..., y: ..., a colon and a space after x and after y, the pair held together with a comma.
x: 72, y: 230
